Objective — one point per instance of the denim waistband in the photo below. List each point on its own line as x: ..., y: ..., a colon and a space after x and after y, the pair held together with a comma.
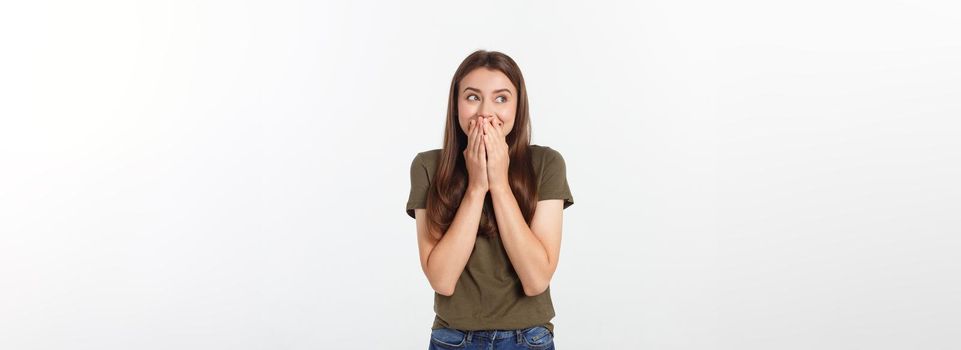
x: 496, y: 334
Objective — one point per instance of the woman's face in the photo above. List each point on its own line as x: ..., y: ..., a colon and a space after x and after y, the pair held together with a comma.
x: 486, y: 92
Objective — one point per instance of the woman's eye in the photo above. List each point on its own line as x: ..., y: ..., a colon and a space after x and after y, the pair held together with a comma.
x: 502, y: 99
x: 472, y: 97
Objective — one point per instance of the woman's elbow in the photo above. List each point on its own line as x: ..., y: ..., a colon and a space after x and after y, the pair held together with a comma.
x: 445, y: 289
x: 534, y: 290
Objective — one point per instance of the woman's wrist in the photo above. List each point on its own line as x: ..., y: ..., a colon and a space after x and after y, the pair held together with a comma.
x: 476, y: 192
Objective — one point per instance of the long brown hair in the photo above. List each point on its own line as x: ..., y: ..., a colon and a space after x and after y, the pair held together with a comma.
x: 450, y: 179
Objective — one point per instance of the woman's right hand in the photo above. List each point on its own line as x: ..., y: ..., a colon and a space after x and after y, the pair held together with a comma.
x: 476, y: 157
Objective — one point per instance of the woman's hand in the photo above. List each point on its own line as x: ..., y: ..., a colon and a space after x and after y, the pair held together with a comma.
x: 475, y: 155
x: 498, y: 157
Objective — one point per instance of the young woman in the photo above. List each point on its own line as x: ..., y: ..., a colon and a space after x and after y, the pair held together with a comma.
x: 488, y: 207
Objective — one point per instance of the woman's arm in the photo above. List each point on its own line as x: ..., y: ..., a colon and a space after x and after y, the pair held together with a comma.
x: 533, y: 250
x: 443, y: 259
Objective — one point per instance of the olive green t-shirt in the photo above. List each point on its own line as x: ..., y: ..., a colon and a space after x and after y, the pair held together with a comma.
x: 489, y: 294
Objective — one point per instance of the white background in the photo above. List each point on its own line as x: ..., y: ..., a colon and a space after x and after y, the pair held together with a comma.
x: 231, y: 175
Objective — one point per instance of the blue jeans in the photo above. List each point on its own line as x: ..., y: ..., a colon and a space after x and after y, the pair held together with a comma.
x: 537, y: 337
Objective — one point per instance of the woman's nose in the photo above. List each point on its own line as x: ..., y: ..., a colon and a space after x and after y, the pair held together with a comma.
x: 486, y: 109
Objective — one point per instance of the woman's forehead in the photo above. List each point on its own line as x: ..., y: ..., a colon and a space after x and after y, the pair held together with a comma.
x: 486, y: 80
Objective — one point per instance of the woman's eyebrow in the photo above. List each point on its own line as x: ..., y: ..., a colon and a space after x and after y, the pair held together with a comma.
x: 495, y: 91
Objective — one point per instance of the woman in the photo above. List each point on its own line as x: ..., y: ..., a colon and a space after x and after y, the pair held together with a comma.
x: 488, y: 207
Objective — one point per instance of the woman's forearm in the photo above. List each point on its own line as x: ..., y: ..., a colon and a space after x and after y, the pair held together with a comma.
x: 447, y: 260
x: 526, y: 252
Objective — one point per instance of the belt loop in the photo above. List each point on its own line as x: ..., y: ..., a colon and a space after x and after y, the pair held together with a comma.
x: 519, y: 335
x: 469, y: 335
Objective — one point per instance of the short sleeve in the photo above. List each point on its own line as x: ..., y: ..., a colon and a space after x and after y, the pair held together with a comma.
x: 419, y: 183
x: 554, y: 179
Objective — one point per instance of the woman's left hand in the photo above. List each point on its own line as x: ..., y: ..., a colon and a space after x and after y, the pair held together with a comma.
x: 498, y: 158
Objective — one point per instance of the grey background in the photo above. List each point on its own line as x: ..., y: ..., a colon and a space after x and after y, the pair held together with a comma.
x: 230, y: 175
